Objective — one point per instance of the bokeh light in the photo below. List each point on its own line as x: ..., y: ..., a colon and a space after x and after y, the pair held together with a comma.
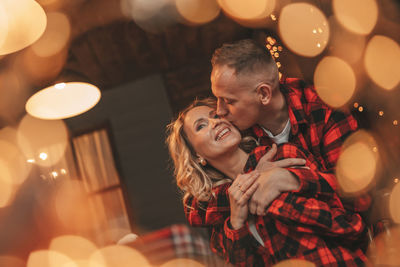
x: 47, y: 258
x: 7, y: 189
x: 72, y: 206
x: 384, y: 250
x: 37, y: 136
x: 14, y: 94
x: 359, y: 16
x: 345, y: 44
x: 358, y: 163
x: 152, y: 16
x: 251, y: 9
x: 55, y: 37
x: 26, y: 22
x: 394, y: 203
x: 304, y: 29
x: 334, y: 81
x: 11, y: 261
x: 41, y: 70
x: 198, y: 11
x: 63, y: 100
x: 12, y: 159
x: 75, y: 247
x: 120, y: 256
x: 295, y: 263
x: 182, y: 263
x: 382, y: 57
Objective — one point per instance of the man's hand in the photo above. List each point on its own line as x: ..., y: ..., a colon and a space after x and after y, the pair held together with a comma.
x: 271, y: 184
x: 266, y: 163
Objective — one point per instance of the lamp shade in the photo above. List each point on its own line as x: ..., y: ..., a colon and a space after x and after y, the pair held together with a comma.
x: 63, y: 100
x: 22, y: 23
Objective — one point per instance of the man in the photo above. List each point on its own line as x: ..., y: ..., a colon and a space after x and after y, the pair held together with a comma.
x: 246, y: 83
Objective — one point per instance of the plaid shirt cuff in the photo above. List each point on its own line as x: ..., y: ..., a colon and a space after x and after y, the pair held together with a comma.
x: 233, y: 234
x: 313, y: 183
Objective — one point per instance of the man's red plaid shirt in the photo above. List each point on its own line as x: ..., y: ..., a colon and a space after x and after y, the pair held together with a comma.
x: 305, y: 224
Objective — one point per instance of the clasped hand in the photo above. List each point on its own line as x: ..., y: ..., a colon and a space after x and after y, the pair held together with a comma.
x: 253, y: 192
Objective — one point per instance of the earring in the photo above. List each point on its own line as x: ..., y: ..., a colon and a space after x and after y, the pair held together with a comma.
x: 202, y: 161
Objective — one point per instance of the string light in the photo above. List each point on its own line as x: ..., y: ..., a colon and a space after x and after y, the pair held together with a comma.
x: 381, y: 113
x: 396, y: 180
x: 395, y: 122
x: 355, y: 105
x: 360, y: 108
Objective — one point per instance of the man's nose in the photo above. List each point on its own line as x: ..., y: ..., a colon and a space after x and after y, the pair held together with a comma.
x: 221, y: 108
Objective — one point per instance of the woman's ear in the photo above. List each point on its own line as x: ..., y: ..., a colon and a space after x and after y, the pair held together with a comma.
x: 264, y: 92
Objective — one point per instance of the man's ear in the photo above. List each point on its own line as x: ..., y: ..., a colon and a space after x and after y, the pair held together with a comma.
x: 264, y: 92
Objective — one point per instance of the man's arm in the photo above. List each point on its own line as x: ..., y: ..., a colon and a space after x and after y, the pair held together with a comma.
x: 337, y: 127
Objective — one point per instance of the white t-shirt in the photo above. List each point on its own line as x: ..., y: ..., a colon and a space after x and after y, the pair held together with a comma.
x: 282, y: 137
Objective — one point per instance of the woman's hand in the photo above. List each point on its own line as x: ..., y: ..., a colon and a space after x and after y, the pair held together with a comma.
x: 240, y: 192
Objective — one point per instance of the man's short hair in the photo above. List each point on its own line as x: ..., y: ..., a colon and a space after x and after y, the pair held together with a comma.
x: 243, y: 56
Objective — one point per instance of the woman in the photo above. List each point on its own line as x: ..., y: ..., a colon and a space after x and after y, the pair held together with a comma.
x: 209, y: 166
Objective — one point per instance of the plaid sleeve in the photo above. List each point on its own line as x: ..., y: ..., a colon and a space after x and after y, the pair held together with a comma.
x: 311, y: 215
x: 235, y: 246
x: 324, y: 215
x: 208, y: 213
x: 338, y: 127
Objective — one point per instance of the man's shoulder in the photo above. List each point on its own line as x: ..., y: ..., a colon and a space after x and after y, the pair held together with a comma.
x: 300, y: 90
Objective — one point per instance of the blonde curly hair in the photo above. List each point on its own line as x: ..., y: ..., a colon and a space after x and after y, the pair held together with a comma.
x: 191, y: 177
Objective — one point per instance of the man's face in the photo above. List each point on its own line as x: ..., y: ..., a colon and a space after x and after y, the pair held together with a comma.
x: 237, y: 97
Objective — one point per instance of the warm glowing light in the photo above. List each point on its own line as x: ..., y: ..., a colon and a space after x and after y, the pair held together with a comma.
x: 56, y: 103
x: 182, y: 262
x: 251, y: 13
x: 10, y: 261
x: 151, y: 16
x: 63, y: 171
x: 345, y: 44
x: 72, y: 206
x: 273, y: 17
x: 14, y: 169
x: 395, y: 122
x: 40, y: 70
x: 355, y: 105
x: 334, y: 81
x: 54, y: 174
x: 394, y: 203
x: 396, y: 180
x: 24, y: 22
x: 381, y: 60
x: 359, y: 16
x: 360, y: 109
x: 42, y: 140
x: 296, y: 24
x: 75, y: 247
x: 47, y: 258
x: 42, y: 156
x: 381, y: 113
x: 247, y: 9
x: 55, y: 37
x: 357, y: 164
x: 7, y: 189
x: 13, y: 95
x: 384, y: 250
x: 295, y: 263
x: 198, y: 11
x: 120, y: 256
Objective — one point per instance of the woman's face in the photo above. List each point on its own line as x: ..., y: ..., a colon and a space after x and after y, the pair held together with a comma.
x: 210, y: 136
